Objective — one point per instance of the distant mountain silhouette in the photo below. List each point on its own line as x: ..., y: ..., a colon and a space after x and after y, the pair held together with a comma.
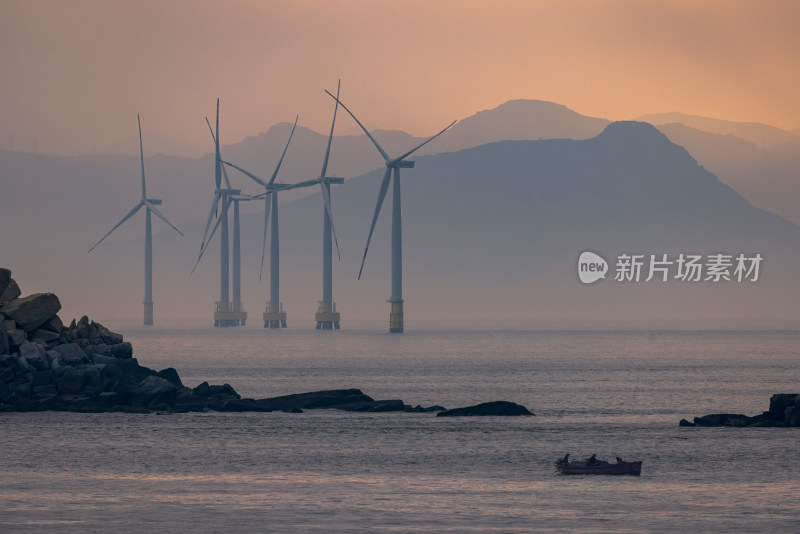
x: 492, y: 235
x: 518, y: 120
x: 768, y: 177
x: 762, y: 135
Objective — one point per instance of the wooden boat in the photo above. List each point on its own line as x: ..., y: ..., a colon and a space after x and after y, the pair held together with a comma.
x: 580, y: 467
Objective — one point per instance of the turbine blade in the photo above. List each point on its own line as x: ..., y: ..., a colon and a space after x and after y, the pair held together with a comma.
x: 374, y: 142
x: 225, y: 174
x: 214, y: 204
x: 267, y: 200
x: 217, y: 164
x: 381, y: 196
x: 326, y: 197
x: 130, y: 214
x: 298, y: 185
x: 213, y: 231
x: 275, y: 174
x: 158, y: 214
x: 141, y: 154
x: 330, y: 137
x: 404, y: 156
x: 247, y: 173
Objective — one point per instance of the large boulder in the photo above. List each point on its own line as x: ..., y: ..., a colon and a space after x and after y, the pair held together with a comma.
x: 154, y: 390
x: 723, y: 419
x: 10, y: 292
x: 32, y: 311
x: 35, y: 356
x: 487, y: 409
x: 5, y: 278
x: 71, y: 354
x: 315, y: 399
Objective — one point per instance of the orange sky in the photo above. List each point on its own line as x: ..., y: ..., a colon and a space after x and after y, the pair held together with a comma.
x: 74, y: 74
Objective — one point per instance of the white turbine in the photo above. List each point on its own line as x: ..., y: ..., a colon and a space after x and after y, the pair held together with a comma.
x: 150, y: 207
x: 393, y: 166
x: 226, y: 313
x: 274, y: 316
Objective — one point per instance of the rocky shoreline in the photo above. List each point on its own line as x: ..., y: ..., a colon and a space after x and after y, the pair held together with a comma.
x: 85, y: 367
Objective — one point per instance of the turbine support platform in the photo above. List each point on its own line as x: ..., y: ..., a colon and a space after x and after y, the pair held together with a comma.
x: 274, y: 316
x: 327, y: 317
x: 148, y: 313
x: 396, y: 317
x: 229, y: 314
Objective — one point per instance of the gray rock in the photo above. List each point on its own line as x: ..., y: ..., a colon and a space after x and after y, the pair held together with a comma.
x: 53, y: 324
x: 69, y: 380
x: 16, y: 337
x: 206, y: 390
x: 5, y: 347
x: 43, y: 391
x: 71, y: 354
x: 101, y: 349
x: 154, y: 390
x: 35, y: 355
x: 11, y: 292
x: 42, y: 378
x: 11, y: 361
x: 5, y: 392
x: 7, y: 375
x: 723, y: 419
x: 504, y: 408
x: 312, y: 400
x: 44, y: 335
x: 5, y: 278
x: 122, y: 350
x: 108, y: 337
x: 372, y: 406
x: 172, y: 375
x: 32, y: 311
x: 779, y: 403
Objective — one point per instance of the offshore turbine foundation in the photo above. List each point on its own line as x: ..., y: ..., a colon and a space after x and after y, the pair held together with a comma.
x: 229, y: 314
x: 274, y: 316
x: 327, y: 317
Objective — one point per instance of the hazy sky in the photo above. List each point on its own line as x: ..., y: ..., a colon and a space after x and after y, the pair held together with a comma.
x: 75, y: 73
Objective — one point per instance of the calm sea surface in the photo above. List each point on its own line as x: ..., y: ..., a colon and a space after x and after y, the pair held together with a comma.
x: 610, y: 393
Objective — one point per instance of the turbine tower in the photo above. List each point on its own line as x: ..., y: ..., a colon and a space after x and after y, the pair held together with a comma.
x: 150, y: 207
x: 274, y: 315
x: 327, y: 318
x: 393, y: 166
x: 226, y: 313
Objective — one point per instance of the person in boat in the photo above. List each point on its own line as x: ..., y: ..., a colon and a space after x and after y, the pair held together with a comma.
x: 593, y: 460
x: 564, y: 460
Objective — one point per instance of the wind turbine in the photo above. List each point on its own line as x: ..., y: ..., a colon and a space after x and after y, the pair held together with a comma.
x: 274, y: 315
x: 393, y: 166
x: 327, y: 317
x: 226, y: 313
x: 150, y: 207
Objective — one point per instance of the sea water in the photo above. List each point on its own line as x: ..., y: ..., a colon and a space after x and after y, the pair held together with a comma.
x: 609, y: 393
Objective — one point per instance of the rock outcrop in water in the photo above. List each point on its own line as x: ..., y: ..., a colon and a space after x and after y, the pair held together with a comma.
x: 487, y: 408
x: 85, y: 367
x: 784, y: 411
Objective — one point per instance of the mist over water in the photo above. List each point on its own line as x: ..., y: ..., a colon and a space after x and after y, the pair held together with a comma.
x: 610, y: 393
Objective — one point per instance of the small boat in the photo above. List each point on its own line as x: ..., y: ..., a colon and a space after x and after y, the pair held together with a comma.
x: 599, y: 467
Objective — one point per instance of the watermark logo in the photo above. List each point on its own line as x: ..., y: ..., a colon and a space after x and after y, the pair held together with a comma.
x: 591, y: 267
x: 687, y: 268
